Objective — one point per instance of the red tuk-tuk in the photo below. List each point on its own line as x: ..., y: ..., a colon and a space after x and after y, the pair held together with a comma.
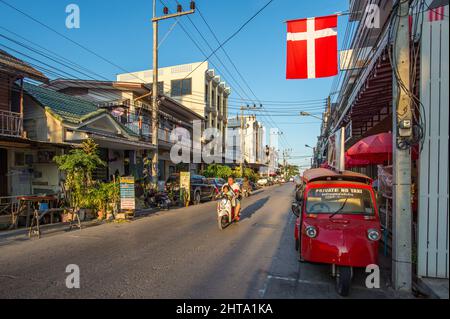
x: 337, y: 222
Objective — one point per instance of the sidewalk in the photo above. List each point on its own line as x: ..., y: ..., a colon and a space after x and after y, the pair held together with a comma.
x: 21, y: 234
x: 435, y: 288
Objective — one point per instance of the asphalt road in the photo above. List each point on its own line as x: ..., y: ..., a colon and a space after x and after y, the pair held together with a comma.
x: 179, y: 253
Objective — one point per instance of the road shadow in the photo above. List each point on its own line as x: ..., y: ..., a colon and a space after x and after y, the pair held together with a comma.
x: 248, y: 211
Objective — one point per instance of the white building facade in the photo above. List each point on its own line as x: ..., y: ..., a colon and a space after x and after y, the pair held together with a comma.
x: 194, y: 85
x: 252, y: 141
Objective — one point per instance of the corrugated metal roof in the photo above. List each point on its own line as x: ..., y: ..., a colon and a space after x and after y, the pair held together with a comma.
x: 68, y: 108
x: 11, y: 64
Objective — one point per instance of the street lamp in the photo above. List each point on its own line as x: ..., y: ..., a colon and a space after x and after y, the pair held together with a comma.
x: 302, y: 113
x: 314, y: 154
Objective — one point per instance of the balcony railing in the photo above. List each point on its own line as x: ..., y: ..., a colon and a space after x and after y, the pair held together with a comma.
x: 138, y: 124
x: 11, y: 123
x: 164, y: 136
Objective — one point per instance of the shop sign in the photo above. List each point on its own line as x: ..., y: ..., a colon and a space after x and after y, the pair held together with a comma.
x: 127, y: 196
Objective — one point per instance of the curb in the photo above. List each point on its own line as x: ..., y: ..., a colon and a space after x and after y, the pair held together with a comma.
x: 9, y: 236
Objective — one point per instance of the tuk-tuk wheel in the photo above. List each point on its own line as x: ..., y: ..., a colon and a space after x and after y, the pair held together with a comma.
x: 300, y: 258
x: 343, y: 280
x: 297, y: 244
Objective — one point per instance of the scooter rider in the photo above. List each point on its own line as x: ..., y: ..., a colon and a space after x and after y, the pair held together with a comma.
x: 235, y: 202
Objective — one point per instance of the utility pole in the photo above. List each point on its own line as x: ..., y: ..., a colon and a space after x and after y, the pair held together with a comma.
x: 285, y: 156
x: 329, y: 105
x: 242, y: 141
x: 402, y: 131
x: 155, y: 106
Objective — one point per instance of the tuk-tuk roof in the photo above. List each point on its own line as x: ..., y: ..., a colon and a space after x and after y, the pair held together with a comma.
x: 324, y: 174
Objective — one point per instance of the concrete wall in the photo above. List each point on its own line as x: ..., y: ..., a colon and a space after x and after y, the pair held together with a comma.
x: 40, y: 125
x: 31, y: 177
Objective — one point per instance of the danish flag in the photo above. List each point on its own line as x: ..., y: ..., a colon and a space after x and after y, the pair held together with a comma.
x: 436, y: 14
x: 312, y: 48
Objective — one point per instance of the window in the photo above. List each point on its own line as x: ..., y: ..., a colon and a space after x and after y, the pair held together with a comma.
x: 19, y: 159
x: 206, y: 93
x: 160, y: 87
x: 213, y: 97
x: 181, y: 87
x: 347, y: 200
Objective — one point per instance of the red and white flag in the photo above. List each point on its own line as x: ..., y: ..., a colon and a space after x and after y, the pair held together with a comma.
x: 436, y: 14
x: 312, y: 48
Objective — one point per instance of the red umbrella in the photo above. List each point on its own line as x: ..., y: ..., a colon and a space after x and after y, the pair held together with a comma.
x: 350, y: 162
x: 375, y: 149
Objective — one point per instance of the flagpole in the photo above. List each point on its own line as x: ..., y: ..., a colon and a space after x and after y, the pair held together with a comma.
x: 340, y: 13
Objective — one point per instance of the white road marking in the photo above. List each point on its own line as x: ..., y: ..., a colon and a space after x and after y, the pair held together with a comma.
x: 303, y: 281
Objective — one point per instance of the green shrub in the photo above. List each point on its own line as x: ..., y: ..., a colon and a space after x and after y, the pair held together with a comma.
x: 79, y: 165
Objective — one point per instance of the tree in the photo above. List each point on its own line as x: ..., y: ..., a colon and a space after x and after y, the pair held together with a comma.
x: 217, y: 170
x: 292, y: 170
x: 79, y: 165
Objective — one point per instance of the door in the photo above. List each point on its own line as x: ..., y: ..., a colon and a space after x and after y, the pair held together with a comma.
x: 3, y: 171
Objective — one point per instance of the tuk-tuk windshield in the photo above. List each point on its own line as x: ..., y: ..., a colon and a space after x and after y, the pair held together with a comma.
x: 346, y: 199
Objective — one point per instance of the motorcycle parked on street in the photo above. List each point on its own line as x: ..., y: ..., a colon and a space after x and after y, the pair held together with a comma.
x: 246, y: 192
x: 158, y: 199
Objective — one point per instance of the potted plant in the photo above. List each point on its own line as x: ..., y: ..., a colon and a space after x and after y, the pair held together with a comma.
x: 104, y: 198
x: 78, y: 166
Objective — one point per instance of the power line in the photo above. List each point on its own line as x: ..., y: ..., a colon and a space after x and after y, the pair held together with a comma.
x: 62, y: 35
x: 231, y: 36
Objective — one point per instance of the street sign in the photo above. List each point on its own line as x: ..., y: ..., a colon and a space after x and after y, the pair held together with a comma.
x: 185, y: 186
x: 127, y: 196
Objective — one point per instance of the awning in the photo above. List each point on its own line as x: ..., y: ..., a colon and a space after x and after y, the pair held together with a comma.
x: 350, y: 162
x: 374, y: 149
x: 118, y: 143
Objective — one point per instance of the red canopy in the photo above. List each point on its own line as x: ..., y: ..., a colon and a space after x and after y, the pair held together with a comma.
x: 350, y: 162
x: 375, y: 149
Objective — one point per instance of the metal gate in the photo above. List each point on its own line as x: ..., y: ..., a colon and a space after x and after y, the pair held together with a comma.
x: 433, y: 218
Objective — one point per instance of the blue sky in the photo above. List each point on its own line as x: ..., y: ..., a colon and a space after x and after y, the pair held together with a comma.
x: 121, y: 32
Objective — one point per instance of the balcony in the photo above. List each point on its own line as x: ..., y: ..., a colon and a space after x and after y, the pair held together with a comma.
x: 165, y: 141
x: 140, y: 125
x: 11, y: 124
x: 164, y: 135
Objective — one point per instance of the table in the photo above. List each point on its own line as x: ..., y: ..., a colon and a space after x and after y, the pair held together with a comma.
x: 28, y: 204
x: 38, y: 215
